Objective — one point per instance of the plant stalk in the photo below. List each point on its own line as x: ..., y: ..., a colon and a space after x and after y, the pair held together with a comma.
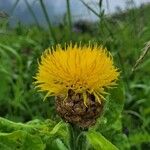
x: 32, y: 13
x: 14, y: 6
x: 77, y: 138
x: 48, y: 21
x: 69, y: 16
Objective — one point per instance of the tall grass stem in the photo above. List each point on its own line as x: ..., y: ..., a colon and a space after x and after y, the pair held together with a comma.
x: 69, y: 16
x: 48, y: 21
x: 32, y: 13
x: 14, y: 6
x: 100, y: 16
x: 77, y: 140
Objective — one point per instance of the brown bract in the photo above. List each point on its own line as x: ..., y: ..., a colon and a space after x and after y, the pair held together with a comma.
x: 73, y: 109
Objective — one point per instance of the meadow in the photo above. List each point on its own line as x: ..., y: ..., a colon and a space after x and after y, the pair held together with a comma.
x: 26, y: 122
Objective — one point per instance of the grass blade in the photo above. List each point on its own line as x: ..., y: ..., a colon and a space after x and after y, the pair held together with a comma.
x: 32, y: 13
x: 48, y: 21
x: 69, y: 16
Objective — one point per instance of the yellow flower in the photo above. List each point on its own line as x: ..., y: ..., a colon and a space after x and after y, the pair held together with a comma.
x: 84, y: 70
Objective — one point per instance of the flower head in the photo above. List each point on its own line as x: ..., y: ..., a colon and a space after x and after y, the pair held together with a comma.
x: 77, y: 76
x: 81, y: 69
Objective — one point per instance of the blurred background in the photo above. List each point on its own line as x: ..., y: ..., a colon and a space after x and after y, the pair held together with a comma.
x: 19, y: 10
x: 27, y: 27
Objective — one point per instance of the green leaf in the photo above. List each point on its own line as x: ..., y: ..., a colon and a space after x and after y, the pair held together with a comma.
x: 54, y: 136
x: 60, y: 145
x: 55, y: 144
x: 139, y: 137
x: 113, y: 108
x: 11, y: 50
x: 57, y: 127
x: 99, y: 142
x: 4, y: 78
x: 121, y: 141
x: 20, y: 140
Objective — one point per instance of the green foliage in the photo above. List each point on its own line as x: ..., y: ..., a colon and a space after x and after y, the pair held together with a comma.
x: 99, y: 142
x: 20, y: 140
x: 125, y: 122
x: 113, y: 108
x: 139, y: 137
x: 32, y: 135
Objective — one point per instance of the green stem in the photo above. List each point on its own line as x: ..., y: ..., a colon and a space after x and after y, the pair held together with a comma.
x: 14, y: 6
x: 48, y: 21
x: 32, y: 13
x: 69, y: 16
x: 77, y: 139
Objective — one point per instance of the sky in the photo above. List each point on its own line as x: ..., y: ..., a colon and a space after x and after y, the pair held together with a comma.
x: 57, y: 8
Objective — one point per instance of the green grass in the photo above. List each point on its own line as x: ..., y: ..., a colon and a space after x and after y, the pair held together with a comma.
x: 124, y: 35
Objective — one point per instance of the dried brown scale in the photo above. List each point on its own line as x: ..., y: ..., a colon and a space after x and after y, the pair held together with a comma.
x: 74, y: 111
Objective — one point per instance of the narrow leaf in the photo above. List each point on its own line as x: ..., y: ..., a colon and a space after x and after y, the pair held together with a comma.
x: 99, y: 142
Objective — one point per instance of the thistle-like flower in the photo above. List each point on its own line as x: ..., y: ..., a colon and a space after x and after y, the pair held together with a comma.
x: 77, y: 76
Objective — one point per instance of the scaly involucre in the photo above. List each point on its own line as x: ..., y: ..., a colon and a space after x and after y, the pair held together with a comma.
x: 83, y: 69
